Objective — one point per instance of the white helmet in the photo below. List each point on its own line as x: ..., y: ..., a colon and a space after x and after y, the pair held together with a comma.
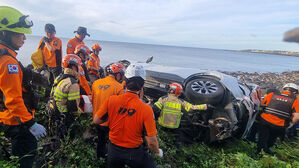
x: 292, y: 86
x: 135, y: 70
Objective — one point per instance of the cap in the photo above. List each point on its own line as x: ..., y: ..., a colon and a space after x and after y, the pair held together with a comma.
x: 82, y: 30
x: 50, y: 28
x: 135, y: 83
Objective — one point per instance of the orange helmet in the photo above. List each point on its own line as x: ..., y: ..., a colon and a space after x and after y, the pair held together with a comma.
x: 115, y: 68
x: 71, y: 59
x: 82, y: 48
x: 96, y: 46
x: 177, y: 88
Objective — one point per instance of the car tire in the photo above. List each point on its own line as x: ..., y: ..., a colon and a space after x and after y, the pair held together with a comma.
x: 204, y: 90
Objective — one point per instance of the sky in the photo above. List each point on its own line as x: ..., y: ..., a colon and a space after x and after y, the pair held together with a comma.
x: 227, y: 24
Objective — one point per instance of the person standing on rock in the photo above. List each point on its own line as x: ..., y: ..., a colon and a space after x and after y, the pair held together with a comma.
x: 129, y: 121
x: 52, y: 51
x: 102, y: 89
x: 78, y: 39
x: 93, y: 63
x: 16, y: 111
x: 276, y: 116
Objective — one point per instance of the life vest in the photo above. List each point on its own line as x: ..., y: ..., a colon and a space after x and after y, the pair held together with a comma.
x: 171, y: 112
x: 52, y: 103
x: 280, y: 106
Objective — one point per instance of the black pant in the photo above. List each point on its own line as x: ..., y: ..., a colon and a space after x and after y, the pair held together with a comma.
x: 103, y: 133
x: 268, y: 134
x: 24, y: 144
x: 176, y: 132
x: 118, y: 157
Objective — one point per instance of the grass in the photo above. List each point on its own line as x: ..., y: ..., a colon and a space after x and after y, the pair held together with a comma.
x: 232, y: 153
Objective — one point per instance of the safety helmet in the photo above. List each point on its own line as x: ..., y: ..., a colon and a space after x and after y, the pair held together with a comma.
x: 96, y: 46
x: 82, y: 48
x: 115, y: 68
x: 14, y: 21
x: 176, y: 87
x: 135, y: 70
x: 71, y: 59
x: 291, y: 87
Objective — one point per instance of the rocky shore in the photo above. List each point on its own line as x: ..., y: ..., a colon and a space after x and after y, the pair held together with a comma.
x: 267, y: 80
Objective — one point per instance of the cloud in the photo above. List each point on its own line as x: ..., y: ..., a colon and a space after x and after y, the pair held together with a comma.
x: 179, y: 22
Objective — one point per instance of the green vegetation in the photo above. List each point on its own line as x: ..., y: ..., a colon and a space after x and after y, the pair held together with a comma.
x: 231, y: 153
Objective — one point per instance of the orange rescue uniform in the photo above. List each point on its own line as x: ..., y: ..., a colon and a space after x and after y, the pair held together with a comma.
x: 274, y: 119
x: 127, y: 116
x: 50, y: 56
x: 71, y: 45
x: 83, y: 82
x: 11, y: 77
x: 102, y: 89
x: 93, y: 64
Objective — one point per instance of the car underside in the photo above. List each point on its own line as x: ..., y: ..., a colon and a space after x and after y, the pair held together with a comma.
x: 236, y: 103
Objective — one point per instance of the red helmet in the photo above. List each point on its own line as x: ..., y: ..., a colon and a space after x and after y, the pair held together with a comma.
x: 82, y: 48
x: 71, y: 59
x: 115, y: 68
x: 177, y: 88
x: 96, y: 46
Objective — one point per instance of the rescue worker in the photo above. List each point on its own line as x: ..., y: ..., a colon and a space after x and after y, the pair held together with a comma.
x: 168, y: 109
x: 83, y: 52
x: 171, y: 107
x: 129, y: 120
x: 276, y: 116
x: 93, y: 64
x: 66, y: 94
x: 102, y: 89
x: 17, y: 112
x: 78, y: 39
x: 52, y: 51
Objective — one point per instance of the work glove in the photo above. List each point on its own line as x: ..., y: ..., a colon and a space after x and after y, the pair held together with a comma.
x: 160, y: 154
x: 210, y: 107
x: 46, y: 39
x: 38, y: 130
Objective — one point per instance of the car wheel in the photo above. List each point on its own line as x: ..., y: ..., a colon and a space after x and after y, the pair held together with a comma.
x: 204, y: 90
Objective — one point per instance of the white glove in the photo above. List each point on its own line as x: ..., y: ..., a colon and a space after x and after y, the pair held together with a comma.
x: 160, y: 154
x: 38, y: 130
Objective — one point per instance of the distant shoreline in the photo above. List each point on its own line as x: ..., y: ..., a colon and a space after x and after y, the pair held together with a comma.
x: 283, y: 53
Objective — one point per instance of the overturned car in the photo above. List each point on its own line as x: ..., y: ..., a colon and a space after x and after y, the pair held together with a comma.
x: 236, y: 103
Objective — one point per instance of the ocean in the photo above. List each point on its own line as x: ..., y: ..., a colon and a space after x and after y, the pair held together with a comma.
x: 187, y: 57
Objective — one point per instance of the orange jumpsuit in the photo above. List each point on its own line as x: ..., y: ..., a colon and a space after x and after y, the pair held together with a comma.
x: 274, y: 119
x: 71, y: 45
x: 93, y: 64
x: 50, y: 56
x: 11, y: 77
x: 83, y: 82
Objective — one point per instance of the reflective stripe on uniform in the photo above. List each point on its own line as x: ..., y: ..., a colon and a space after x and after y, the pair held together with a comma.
x: 159, y: 105
x: 164, y: 123
x: 61, y: 108
x: 73, y: 96
x: 278, y: 113
x: 59, y: 95
x: 173, y: 105
x: 201, y: 107
x: 188, y: 106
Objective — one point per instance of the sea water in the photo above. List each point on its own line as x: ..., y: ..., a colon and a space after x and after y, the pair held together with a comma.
x: 187, y: 57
